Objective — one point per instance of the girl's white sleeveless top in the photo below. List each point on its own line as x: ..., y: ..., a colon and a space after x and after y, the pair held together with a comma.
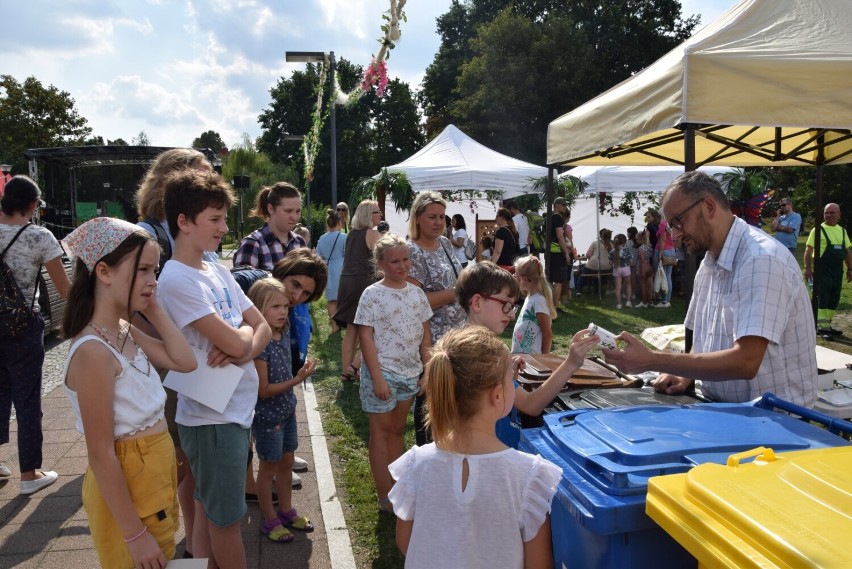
x: 139, y: 400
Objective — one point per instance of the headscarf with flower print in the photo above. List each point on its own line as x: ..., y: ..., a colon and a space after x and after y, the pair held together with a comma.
x: 97, y: 238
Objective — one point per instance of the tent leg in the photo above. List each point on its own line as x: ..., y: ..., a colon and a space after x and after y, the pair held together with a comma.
x: 548, y: 225
x: 817, y: 234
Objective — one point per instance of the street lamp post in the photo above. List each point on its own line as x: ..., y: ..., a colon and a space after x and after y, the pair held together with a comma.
x: 316, y: 57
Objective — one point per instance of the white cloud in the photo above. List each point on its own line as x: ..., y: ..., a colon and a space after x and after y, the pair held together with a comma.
x: 180, y: 67
x: 129, y: 96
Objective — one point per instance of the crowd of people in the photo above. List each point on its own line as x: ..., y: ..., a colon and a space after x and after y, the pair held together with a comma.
x: 150, y: 298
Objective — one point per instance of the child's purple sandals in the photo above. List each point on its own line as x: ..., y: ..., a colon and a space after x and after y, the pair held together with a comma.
x: 292, y: 520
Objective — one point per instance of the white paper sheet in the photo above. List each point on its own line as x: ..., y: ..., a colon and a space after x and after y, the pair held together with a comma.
x: 210, y: 386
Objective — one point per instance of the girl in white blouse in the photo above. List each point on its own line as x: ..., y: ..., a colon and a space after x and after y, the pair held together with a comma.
x: 130, y: 488
x: 467, y: 500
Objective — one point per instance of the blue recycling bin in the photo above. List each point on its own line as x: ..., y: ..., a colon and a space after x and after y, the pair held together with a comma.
x: 607, y: 456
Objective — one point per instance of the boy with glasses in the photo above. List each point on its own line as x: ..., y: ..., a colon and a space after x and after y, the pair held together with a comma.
x: 487, y: 294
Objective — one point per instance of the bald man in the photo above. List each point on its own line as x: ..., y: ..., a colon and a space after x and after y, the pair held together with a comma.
x: 834, y: 253
x: 753, y: 329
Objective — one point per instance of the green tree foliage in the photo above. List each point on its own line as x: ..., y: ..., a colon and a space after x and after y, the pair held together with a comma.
x: 244, y: 159
x: 371, y: 134
x: 800, y: 184
x: 393, y: 185
x: 396, y: 132
x: 35, y: 116
x: 141, y: 139
x: 579, y: 49
x: 520, y: 78
x: 211, y: 140
x: 117, y: 142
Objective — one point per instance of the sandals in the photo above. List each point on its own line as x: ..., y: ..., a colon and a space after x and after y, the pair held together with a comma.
x: 292, y: 520
x: 385, y: 506
x: 352, y: 374
x: 275, y: 531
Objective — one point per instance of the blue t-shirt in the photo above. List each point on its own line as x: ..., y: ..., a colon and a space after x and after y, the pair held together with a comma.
x: 279, y: 365
x: 301, y: 329
x: 793, y: 220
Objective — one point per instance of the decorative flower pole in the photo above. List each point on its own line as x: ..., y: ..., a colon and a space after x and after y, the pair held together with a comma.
x: 376, y: 72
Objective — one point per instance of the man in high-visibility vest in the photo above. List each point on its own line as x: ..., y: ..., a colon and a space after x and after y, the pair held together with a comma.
x: 834, y: 252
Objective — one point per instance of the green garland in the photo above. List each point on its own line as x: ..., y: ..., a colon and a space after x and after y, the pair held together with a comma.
x: 311, y: 145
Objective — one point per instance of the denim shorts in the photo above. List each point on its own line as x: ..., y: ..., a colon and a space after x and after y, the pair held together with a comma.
x: 401, y: 389
x: 217, y: 455
x: 273, y: 440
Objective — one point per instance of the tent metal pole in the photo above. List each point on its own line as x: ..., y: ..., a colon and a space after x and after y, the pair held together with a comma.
x: 548, y: 225
x: 818, y: 219
x: 691, y: 261
x: 598, y: 248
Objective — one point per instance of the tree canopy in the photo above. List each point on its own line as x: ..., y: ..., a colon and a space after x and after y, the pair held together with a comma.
x: 211, y: 140
x: 371, y: 133
x: 532, y: 60
x: 35, y: 116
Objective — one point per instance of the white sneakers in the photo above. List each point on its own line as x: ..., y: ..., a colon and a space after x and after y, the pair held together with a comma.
x: 4, y: 471
x: 641, y: 305
x: 663, y: 305
x: 32, y: 486
x: 300, y: 464
x: 628, y: 304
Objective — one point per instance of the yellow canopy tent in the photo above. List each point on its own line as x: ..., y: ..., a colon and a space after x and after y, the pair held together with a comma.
x: 768, y: 83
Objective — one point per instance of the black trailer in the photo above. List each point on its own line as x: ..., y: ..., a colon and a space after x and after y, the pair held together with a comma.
x: 80, y: 182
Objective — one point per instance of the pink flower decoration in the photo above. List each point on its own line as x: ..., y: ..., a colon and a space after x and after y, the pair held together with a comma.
x: 376, y: 74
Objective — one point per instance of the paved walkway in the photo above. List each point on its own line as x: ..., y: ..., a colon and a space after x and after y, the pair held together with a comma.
x: 50, y: 529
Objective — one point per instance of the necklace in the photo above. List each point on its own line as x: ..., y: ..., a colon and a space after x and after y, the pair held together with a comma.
x: 122, y: 335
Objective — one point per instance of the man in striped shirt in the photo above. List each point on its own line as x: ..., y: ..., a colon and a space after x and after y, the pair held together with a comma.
x: 753, y: 329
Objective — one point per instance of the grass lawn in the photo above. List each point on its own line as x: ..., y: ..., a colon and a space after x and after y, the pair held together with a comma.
x: 346, y: 424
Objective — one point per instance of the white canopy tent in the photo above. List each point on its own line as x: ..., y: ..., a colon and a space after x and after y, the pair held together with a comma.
x: 453, y: 161
x: 586, y: 219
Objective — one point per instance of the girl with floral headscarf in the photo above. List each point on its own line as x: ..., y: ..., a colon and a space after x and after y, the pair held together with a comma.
x: 130, y: 488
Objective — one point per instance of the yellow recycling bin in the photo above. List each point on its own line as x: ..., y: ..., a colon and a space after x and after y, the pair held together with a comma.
x: 787, y: 510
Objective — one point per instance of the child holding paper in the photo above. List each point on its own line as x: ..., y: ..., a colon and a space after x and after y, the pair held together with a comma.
x: 130, y: 494
x: 216, y: 317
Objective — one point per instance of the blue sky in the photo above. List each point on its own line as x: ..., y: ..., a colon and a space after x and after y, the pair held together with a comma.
x: 178, y: 68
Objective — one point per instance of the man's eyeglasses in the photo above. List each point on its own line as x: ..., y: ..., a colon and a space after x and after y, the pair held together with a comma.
x: 676, y: 222
x: 508, y: 306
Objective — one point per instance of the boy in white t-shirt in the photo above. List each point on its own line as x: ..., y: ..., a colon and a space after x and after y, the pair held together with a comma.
x: 216, y: 317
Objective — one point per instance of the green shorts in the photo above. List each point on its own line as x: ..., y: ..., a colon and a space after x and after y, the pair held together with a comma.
x: 217, y: 456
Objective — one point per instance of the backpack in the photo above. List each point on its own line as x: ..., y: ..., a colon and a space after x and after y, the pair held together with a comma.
x: 469, y: 248
x: 163, y: 240
x: 246, y: 275
x: 16, y: 313
x: 536, y: 223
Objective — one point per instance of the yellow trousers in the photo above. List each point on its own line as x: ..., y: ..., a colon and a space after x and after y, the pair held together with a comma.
x: 148, y: 464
